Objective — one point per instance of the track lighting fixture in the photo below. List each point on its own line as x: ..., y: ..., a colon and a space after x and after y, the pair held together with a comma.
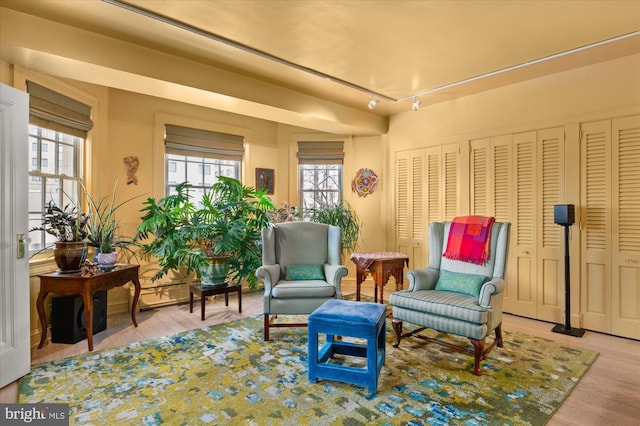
x: 416, y: 104
x: 373, y: 102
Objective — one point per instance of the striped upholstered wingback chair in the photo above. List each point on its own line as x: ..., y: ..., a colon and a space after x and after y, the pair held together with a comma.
x: 472, y: 305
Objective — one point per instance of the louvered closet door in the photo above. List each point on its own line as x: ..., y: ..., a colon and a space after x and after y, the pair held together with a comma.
x: 411, y: 206
x: 443, y: 189
x: 549, y: 236
x: 520, y: 294
x: 625, y: 300
x: 451, y: 181
x: 490, y: 177
x: 596, y: 226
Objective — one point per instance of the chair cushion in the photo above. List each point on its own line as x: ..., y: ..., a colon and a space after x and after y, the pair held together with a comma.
x: 303, y: 289
x: 303, y: 272
x: 443, y: 304
x: 460, y: 283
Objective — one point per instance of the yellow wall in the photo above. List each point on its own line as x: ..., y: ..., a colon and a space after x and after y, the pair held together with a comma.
x: 586, y: 93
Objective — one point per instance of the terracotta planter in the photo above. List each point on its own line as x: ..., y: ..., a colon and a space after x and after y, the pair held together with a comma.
x: 69, y: 256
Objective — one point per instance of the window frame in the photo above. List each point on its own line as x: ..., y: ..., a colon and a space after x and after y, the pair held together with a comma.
x: 40, y: 240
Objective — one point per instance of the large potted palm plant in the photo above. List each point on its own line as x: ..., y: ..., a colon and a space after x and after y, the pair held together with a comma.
x: 217, y: 236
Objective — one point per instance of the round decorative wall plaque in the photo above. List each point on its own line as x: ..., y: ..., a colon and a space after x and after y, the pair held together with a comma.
x: 365, y: 182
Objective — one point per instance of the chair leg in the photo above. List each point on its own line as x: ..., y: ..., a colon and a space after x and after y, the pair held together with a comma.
x: 478, y: 355
x: 499, y: 335
x: 266, y: 327
x: 397, y: 327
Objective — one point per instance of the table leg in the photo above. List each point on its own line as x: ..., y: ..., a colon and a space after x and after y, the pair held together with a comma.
x: 87, y: 296
x: 359, y: 279
x: 43, y: 317
x: 202, y: 300
x: 190, y: 302
x: 136, y: 296
x: 240, y: 299
x: 226, y: 298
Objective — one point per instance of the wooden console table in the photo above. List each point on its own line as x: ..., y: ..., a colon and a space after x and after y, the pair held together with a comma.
x: 381, y: 266
x: 85, y: 284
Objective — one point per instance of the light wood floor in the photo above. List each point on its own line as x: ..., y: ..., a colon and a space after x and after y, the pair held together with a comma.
x: 609, y: 394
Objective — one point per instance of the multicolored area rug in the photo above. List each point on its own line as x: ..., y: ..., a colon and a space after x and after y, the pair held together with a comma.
x: 226, y: 374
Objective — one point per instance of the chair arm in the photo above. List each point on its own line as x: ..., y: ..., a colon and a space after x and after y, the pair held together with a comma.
x: 489, y: 289
x: 423, y: 279
x: 334, y: 273
x: 270, y: 275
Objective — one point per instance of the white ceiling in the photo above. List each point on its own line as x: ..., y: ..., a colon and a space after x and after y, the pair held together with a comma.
x: 394, y: 48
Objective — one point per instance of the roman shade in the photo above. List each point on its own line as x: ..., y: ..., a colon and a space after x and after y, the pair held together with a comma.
x: 320, y: 152
x: 52, y: 110
x: 203, y: 143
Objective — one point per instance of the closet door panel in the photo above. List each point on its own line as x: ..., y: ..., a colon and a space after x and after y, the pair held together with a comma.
x: 434, y: 190
x: 479, y: 175
x: 520, y: 293
x: 410, y: 206
x: 625, y: 300
x: 500, y: 186
x: 596, y: 226
x: 451, y: 182
x: 550, y: 241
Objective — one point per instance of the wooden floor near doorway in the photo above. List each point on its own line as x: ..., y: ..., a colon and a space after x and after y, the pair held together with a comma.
x: 609, y: 394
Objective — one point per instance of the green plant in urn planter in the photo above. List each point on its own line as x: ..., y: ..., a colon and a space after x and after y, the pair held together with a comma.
x: 218, y: 237
x: 69, y: 226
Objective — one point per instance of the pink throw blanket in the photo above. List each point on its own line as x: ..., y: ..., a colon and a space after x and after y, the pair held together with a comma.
x: 469, y: 239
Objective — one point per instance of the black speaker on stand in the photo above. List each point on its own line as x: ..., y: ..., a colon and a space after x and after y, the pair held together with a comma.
x: 564, y: 214
x: 67, y: 317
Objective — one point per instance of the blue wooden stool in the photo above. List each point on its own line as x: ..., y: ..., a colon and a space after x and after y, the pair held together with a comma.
x: 353, y: 319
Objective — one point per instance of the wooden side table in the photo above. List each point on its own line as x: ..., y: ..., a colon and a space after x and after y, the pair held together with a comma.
x: 204, y: 291
x: 381, y: 266
x: 85, y: 284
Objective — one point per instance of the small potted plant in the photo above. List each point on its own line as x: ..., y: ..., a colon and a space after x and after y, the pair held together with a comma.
x: 217, y: 237
x: 69, y: 226
x: 103, y: 230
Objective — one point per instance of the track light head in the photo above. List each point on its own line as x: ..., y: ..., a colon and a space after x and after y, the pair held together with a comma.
x: 373, y: 103
x: 416, y: 104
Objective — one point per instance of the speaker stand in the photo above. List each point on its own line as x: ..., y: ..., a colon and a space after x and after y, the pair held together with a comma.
x: 566, y: 328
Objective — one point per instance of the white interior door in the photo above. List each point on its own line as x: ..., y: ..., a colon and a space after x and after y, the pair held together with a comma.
x: 15, y: 355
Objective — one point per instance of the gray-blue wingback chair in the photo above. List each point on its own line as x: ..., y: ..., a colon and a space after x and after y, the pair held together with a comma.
x: 294, y: 244
x: 473, y: 317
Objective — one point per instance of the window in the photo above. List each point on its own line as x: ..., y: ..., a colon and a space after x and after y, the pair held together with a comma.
x: 320, y: 173
x: 58, y: 126
x: 53, y: 176
x: 200, y: 157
